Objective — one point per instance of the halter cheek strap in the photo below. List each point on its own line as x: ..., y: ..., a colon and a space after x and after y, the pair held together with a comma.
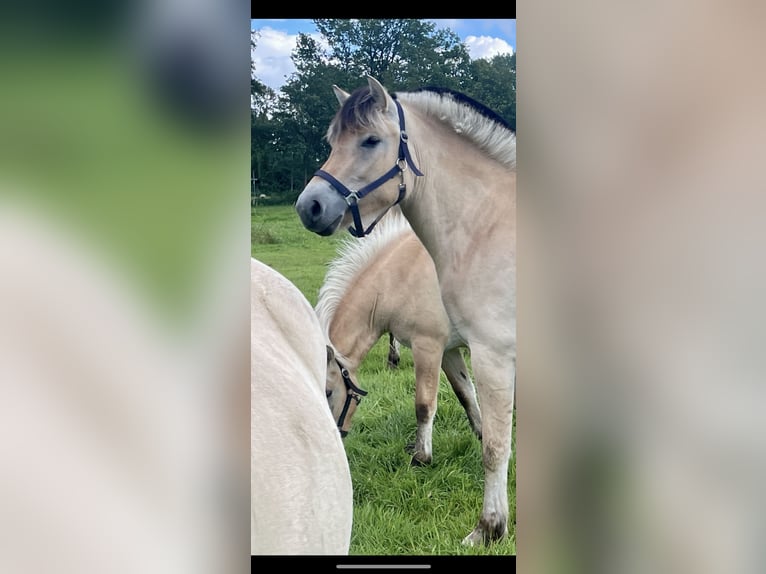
x: 354, y: 393
x: 352, y: 197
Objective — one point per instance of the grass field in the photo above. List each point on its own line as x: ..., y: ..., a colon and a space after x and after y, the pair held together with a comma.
x: 398, y: 508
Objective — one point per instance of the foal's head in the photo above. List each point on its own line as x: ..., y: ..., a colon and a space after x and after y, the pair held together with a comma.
x: 364, y: 136
x: 340, y: 396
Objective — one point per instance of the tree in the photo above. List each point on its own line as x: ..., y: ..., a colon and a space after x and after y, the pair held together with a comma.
x: 401, y: 53
x: 264, y: 129
x: 494, y: 85
x: 262, y: 97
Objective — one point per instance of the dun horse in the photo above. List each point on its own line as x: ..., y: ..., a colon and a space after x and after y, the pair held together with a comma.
x: 388, y: 283
x: 451, y: 165
x: 301, y: 494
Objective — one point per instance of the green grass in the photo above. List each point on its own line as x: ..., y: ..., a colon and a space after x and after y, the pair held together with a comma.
x: 398, y: 509
x: 280, y: 241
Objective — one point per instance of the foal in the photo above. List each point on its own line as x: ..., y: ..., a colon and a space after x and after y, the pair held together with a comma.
x: 387, y: 283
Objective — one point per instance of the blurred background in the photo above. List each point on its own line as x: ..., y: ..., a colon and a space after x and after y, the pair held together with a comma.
x: 640, y: 379
x: 124, y: 231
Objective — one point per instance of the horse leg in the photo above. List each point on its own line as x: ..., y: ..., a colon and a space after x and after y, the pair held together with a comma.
x: 456, y: 370
x: 393, y: 352
x: 426, y: 355
x: 494, y: 372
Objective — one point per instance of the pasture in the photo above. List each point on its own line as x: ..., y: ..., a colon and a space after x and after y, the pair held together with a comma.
x: 398, y: 509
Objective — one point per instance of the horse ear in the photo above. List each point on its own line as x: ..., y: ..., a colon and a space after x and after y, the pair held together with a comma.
x: 379, y: 93
x: 330, y: 353
x: 340, y: 94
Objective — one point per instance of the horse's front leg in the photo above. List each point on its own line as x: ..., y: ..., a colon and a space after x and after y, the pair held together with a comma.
x: 494, y: 372
x: 426, y: 355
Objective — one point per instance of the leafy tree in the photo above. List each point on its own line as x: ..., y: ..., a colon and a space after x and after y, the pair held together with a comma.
x: 494, y: 85
x: 401, y: 53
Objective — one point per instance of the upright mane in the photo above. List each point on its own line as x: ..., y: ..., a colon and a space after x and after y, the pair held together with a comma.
x: 468, y: 118
x: 465, y: 115
x: 355, y: 255
x: 357, y: 113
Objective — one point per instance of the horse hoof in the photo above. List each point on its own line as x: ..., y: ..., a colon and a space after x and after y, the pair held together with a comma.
x: 473, y: 539
x: 480, y: 536
x: 417, y: 462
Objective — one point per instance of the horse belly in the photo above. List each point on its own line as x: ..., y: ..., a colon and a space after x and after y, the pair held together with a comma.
x: 481, y: 306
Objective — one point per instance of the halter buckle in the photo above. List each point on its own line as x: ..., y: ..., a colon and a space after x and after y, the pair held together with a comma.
x: 352, y: 198
x: 401, y: 163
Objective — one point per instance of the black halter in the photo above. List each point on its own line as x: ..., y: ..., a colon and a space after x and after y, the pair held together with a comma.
x: 354, y: 394
x: 352, y: 197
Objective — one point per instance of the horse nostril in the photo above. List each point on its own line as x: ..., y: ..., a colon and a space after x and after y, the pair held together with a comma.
x: 316, y: 209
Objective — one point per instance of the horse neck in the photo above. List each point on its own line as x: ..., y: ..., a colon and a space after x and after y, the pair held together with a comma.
x: 458, y: 186
x: 354, y: 329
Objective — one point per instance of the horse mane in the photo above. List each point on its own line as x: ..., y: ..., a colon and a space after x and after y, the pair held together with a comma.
x: 357, y: 113
x: 354, y: 256
x: 465, y: 115
x: 469, y: 118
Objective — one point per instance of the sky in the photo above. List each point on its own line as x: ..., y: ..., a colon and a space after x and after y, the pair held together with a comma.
x: 483, y: 37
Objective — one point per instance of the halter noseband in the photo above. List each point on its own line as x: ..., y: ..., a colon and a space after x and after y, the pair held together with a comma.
x: 354, y: 394
x: 352, y: 197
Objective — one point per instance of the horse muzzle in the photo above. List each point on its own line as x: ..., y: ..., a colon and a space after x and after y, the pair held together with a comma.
x: 320, y: 208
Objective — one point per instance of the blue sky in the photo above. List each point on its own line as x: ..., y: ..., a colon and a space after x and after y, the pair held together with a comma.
x: 483, y: 37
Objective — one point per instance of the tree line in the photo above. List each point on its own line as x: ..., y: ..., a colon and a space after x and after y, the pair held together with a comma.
x: 287, y: 128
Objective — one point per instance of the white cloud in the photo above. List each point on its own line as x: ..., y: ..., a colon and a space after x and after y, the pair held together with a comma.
x: 487, y: 46
x: 272, y: 55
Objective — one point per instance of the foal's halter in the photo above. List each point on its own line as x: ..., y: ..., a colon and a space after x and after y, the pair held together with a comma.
x: 354, y: 394
x: 352, y: 197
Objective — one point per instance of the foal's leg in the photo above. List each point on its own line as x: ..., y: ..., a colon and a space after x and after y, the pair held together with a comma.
x: 426, y: 355
x: 494, y: 372
x: 456, y: 370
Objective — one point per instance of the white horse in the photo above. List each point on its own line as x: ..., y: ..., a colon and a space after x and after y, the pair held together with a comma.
x: 301, y: 493
x: 451, y: 165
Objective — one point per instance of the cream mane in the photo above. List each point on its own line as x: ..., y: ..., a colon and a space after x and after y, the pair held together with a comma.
x: 498, y: 140
x: 355, y: 255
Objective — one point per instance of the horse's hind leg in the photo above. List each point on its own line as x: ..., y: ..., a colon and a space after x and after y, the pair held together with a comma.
x: 393, y: 352
x: 494, y: 373
x: 456, y: 370
x: 426, y: 355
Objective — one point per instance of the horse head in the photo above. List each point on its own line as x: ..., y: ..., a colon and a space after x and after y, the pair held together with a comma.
x: 365, y: 174
x: 343, y: 394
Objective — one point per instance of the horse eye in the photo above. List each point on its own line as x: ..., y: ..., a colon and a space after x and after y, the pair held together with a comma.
x: 328, y: 393
x: 371, y: 141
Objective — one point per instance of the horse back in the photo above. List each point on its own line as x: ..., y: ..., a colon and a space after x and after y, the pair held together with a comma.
x: 301, y: 495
